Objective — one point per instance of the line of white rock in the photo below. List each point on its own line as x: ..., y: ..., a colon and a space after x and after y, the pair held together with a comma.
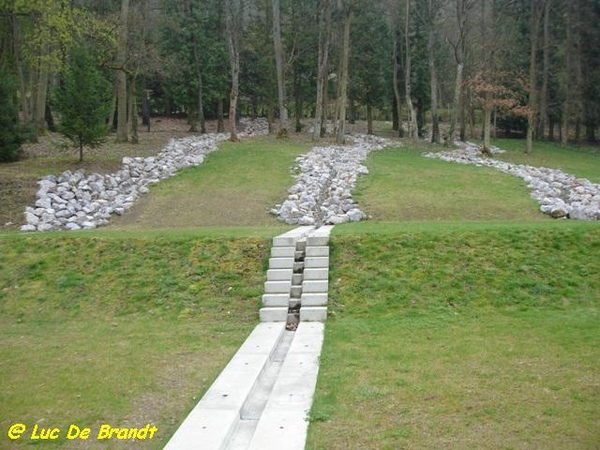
x: 559, y: 194
x: 326, y: 176
x: 75, y: 200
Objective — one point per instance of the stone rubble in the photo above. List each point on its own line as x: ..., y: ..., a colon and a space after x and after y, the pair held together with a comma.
x: 325, y: 178
x: 75, y: 200
x: 559, y: 194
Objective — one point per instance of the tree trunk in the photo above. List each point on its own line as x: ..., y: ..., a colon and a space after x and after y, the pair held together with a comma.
x: 369, y: 119
x: 323, y: 64
x: 200, y: 106
x: 487, y: 121
x: 533, y: 91
x: 133, y: 113
x: 283, y: 111
x: 121, y: 75
x: 435, y: 125
x: 545, y: 73
x: 233, y: 23
x: 341, y: 132
x: 397, y: 96
x: 298, y: 106
x: 41, y: 95
x: 459, y: 57
x: 412, y: 124
x: 220, y: 121
x: 23, y: 82
x: 566, y: 107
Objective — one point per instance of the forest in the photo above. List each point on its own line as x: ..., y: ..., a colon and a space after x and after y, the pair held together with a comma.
x: 436, y: 69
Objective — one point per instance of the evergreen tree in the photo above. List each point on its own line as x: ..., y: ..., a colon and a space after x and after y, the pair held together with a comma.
x: 83, y: 101
x: 11, y: 136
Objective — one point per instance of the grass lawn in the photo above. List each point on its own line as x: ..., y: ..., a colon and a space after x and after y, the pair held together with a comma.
x: 581, y: 161
x: 125, y: 329
x: 405, y: 186
x: 236, y: 186
x: 476, y: 337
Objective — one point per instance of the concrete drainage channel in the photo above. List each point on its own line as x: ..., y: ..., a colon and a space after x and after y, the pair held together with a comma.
x: 262, y: 398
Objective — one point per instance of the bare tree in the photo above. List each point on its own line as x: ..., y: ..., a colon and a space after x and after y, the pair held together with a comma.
x: 233, y: 21
x: 537, y: 8
x: 323, y: 65
x: 283, y: 111
x: 122, y: 75
x: 343, y: 92
x: 412, y: 128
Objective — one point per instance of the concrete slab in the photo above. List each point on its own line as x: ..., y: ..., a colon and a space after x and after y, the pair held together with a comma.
x: 313, y: 314
x: 278, y: 287
x: 321, y: 273
x: 283, y: 423
x: 315, y: 286
x: 273, y: 314
x: 216, y: 415
x: 279, y: 274
x: 281, y: 263
x: 317, y: 251
x: 316, y: 262
x: 279, y: 430
x: 289, y: 239
x: 314, y: 299
x: 270, y: 300
x: 210, y: 428
x: 319, y: 237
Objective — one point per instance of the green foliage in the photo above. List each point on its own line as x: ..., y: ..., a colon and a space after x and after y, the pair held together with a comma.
x: 11, y: 136
x: 83, y: 101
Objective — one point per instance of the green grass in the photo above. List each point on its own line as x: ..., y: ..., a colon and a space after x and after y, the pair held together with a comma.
x: 467, y: 338
x: 100, y: 328
x: 581, y: 161
x: 236, y: 186
x: 405, y: 186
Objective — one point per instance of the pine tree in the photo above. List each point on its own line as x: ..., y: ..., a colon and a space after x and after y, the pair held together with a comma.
x: 84, y: 102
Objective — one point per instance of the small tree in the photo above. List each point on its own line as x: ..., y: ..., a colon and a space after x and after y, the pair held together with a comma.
x: 84, y: 102
x: 11, y: 136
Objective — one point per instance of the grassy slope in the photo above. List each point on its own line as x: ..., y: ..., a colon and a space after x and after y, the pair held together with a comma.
x: 470, y: 338
x: 101, y: 328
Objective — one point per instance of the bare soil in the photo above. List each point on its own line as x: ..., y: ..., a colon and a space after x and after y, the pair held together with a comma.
x: 18, y: 180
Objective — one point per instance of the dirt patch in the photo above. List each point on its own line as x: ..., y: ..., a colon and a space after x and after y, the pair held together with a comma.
x: 51, y: 155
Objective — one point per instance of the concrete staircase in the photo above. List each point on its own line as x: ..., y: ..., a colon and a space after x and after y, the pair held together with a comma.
x: 262, y: 398
x: 298, y: 277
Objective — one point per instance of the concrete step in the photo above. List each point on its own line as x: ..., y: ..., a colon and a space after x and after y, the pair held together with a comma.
x: 273, y: 314
x: 283, y: 252
x: 289, y: 239
x: 317, y: 251
x: 281, y: 263
x: 278, y: 287
x: 313, y: 262
x: 301, y: 244
x: 315, y: 286
x: 296, y: 292
x: 299, y: 255
x: 319, y: 237
x: 279, y: 274
x: 313, y: 313
x: 270, y: 300
x: 321, y: 273
x: 297, y: 279
x: 314, y: 299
